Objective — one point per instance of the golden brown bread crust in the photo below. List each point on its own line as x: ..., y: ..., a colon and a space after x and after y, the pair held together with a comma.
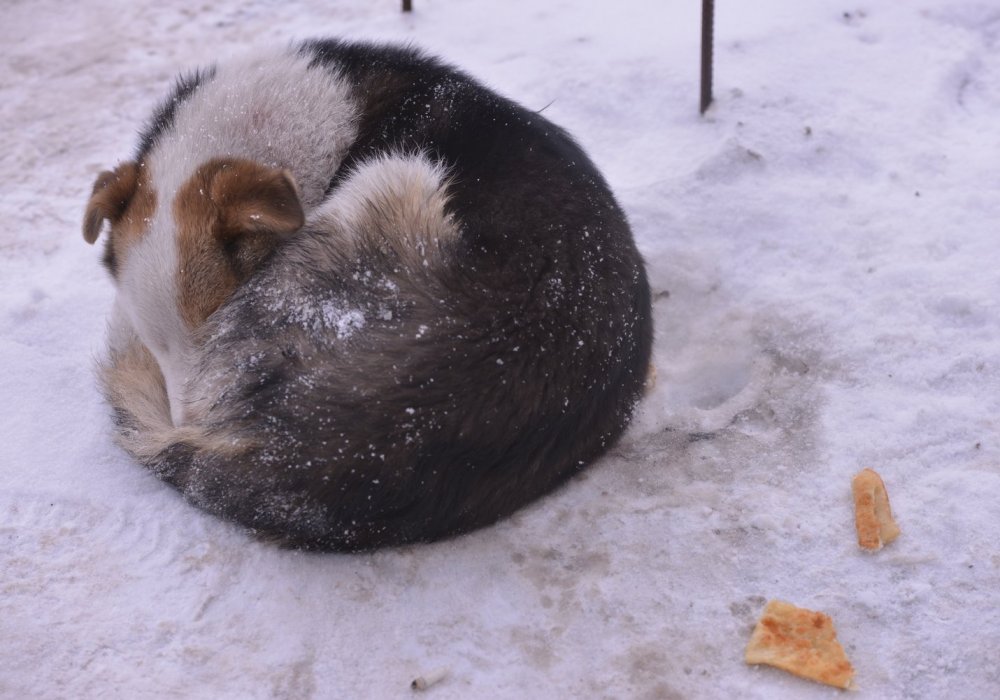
x: 801, y: 642
x: 872, y: 513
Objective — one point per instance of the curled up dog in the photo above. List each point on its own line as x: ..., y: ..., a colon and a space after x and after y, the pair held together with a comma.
x: 362, y: 300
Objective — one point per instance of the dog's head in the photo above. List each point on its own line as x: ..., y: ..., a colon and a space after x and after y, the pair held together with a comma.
x: 177, y: 253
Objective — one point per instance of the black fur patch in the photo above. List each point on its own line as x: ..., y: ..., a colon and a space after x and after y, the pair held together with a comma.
x: 109, y: 259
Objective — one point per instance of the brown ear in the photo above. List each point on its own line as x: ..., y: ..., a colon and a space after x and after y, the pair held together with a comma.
x: 254, y: 199
x: 231, y: 215
x: 111, y: 195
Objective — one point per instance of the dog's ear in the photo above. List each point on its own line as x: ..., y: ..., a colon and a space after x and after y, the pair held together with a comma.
x: 112, y: 193
x: 255, y: 199
x: 258, y: 208
x: 230, y: 217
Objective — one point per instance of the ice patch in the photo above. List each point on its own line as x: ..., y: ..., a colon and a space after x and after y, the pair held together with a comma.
x: 705, y: 388
x: 707, y: 393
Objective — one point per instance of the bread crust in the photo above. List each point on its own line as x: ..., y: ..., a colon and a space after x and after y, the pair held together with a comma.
x: 801, y: 642
x: 872, y: 512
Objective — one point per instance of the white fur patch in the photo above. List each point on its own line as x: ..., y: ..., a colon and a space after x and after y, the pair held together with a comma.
x: 272, y: 109
x: 147, y: 296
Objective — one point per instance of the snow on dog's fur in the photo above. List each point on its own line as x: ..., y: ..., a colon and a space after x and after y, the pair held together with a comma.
x: 363, y: 300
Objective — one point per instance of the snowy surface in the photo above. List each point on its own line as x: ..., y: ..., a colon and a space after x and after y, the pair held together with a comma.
x: 826, y: 256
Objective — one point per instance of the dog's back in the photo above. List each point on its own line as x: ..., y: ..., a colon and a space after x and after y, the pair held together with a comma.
x: 461, y: 324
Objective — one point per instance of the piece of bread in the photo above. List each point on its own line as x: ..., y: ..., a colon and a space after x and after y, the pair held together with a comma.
x: 801, y: 642
x: 872, y: 513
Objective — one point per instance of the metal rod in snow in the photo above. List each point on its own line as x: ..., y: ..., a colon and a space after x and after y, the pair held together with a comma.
x: 707, y: 20
x: 407, y: 5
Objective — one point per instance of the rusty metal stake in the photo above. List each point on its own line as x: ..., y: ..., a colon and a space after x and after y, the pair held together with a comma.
x: 707, y: 21
x: 407, y: 5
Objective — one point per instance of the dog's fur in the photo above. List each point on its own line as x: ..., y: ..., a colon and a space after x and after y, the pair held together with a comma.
x: 363, y: 300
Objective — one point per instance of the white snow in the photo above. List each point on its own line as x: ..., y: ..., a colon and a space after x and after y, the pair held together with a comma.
x: 825, y: 255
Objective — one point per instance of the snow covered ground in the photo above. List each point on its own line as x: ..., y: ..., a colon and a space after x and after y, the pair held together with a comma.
x: 825, y: 254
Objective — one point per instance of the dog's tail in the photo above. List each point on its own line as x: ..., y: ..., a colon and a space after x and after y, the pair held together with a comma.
x: 396, y: 205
